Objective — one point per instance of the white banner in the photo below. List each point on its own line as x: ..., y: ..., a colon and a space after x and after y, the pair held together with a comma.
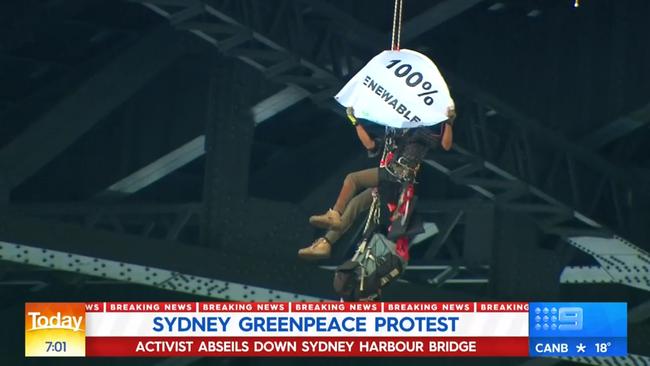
x: 401, y: 89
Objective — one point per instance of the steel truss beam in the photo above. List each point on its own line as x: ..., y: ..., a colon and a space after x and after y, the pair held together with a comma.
x: 629, y: 360
x: 154, y: 221
x: 195, y: 148
x: 162, y: 264
x: 617, y: 129
x: 522, y: 147
x: 142, y: 275
x: 180, y: 222
x: 255, y: 49
x: 434, y: 16
x: 174, y: 266
x: 88, y: 105
x: 292, y: 63
x: 229, y: 135
x: 156, y: 170
x: 621, y: 261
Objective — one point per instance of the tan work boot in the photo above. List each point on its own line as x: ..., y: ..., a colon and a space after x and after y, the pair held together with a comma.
x: 330, y: 220
x: 319, y: 249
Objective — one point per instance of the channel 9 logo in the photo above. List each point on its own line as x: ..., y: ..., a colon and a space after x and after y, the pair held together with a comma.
x: 55, y: 329
x: 558, y: 319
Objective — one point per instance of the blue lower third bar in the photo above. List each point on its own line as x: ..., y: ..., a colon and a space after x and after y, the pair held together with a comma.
x: 588, y: 346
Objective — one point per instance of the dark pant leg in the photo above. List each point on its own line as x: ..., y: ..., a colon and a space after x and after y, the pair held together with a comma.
x: 354, y: 182
x: 357, y: 205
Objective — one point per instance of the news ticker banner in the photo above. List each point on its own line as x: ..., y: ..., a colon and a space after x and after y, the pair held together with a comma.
x: 330, y: 329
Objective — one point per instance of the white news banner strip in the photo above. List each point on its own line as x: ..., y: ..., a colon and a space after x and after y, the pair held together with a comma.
x: 467, y: 325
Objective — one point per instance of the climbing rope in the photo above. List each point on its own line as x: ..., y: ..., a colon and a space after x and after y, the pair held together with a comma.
x: 397, y: 25
x: 373, y: 214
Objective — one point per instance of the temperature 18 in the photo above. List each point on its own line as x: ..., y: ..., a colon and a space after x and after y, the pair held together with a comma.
x: 603, y: 347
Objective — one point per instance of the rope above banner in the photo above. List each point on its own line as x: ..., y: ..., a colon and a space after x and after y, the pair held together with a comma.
x: 397, y: 25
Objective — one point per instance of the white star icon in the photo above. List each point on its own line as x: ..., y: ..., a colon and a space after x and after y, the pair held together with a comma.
x: 581, y: 347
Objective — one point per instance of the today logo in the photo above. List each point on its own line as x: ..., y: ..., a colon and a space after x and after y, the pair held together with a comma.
x: 55, y: 329
x: 56, y: 321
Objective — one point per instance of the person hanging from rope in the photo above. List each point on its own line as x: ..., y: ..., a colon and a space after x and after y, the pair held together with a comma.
x: 383, y: 252
x: 404, y: 150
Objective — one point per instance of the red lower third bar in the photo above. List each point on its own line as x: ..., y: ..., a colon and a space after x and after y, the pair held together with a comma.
x: 307, y: 346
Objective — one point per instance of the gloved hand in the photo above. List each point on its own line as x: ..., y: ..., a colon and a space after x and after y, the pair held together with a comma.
x: 451, y: 115
x: 350, y: 112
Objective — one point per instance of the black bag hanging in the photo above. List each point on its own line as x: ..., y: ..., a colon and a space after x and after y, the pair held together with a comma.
x: 374, y: 264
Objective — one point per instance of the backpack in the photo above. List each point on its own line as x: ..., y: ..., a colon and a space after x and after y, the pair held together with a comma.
x: 374, y: 265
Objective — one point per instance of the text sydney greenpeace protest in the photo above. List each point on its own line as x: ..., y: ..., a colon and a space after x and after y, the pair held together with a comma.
x: 271, y: 324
